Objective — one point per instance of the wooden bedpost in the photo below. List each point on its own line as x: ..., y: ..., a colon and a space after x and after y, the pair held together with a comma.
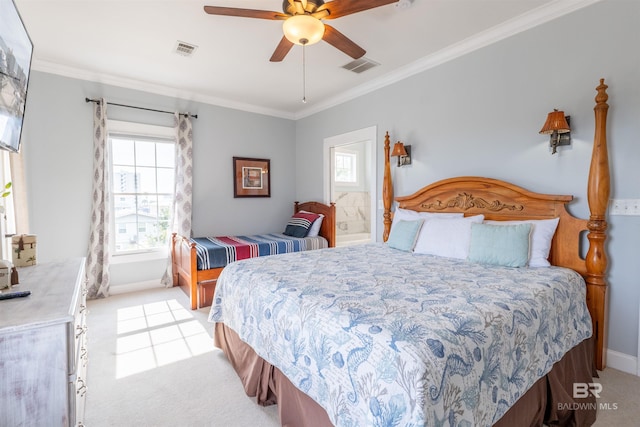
x: 387, y: 190
x: 598, y: 197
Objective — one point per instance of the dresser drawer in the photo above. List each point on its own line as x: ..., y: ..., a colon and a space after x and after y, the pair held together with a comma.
x: 78, y: 328
x: 77, y: 386
x: 78, y: 389
x: 79, y: 337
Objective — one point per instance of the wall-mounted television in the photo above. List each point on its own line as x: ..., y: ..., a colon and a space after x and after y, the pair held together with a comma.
x: 16, y: 50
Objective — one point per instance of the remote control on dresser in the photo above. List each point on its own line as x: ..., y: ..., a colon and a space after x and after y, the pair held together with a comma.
x: 14, y: 294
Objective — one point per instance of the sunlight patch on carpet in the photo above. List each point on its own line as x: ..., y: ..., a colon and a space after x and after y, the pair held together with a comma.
x: 157, y: 334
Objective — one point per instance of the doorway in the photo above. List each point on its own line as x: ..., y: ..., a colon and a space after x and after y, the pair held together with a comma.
x: 350, y: 183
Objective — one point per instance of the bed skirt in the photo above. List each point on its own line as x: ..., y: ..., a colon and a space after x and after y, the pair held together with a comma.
x: 549, y: 401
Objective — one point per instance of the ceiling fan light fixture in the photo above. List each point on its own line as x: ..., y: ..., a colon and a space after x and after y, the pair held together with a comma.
x: 303, y: 29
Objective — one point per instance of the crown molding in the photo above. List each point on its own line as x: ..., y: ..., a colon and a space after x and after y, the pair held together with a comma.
x: 526, y: 21
x: 81, y: 74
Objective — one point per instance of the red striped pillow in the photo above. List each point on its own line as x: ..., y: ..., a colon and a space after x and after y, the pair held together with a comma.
x: 299, y: 224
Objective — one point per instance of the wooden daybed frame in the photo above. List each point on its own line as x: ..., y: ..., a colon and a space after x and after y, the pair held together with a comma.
x: 199, y: 285
x: 499, y: 200
x: 496, y: 200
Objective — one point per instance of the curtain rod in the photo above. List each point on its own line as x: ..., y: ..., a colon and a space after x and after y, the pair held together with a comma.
x: 195, y: 116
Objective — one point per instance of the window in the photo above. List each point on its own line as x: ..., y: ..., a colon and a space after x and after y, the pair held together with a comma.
x: 346, y: 168
x: 142, y: 176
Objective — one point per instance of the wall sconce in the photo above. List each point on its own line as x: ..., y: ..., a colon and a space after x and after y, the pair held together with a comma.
x: 402, y: 152
x: 557, y: 125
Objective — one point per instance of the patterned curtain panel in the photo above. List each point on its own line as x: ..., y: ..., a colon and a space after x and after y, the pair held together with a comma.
x: 97, y: 264
x: 181, y: 212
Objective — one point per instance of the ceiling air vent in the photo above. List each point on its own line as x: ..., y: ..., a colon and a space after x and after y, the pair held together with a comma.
x: 359, y: 65
x: 185, y: 49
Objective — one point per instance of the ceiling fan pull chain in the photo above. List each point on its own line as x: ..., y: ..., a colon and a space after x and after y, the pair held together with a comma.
x: 304, y: 74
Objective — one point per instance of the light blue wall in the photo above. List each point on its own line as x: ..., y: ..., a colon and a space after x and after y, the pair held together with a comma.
x: 480, y: 115
x: 57, y: 146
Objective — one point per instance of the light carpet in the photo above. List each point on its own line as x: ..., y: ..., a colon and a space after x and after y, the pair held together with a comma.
x: 152, y: 363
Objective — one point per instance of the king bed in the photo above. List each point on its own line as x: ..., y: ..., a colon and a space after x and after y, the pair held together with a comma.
x: 389, y: 334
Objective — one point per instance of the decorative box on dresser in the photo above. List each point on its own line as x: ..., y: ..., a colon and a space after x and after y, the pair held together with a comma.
x: 43, y: 347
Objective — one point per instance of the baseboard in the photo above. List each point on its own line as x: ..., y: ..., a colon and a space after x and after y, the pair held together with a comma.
x: 134, y: 287
x: 622, y: 362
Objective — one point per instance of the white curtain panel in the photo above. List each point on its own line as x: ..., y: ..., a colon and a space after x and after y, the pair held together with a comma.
x: 19, y: 193
x: 182, y: 208
x: 97, y: 263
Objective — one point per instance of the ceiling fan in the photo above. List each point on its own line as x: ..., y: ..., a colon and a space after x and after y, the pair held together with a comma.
x: 303, y: 22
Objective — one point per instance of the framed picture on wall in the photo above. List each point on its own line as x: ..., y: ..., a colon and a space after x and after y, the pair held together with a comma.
x: 251, y: 177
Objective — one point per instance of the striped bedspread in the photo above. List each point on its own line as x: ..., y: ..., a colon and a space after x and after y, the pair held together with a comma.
x: 215, y: 252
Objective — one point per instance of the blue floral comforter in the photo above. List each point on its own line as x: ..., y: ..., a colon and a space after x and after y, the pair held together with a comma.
x: 381, y: 337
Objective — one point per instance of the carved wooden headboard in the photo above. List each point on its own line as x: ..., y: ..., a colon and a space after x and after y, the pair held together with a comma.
x: 500, y: 200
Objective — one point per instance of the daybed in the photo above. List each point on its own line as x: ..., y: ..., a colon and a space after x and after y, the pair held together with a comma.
x: 198, y: 281
x: 375, y: 335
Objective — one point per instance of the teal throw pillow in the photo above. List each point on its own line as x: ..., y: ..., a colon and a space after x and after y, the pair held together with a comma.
x: 505, y: 245
x: 404, y: 234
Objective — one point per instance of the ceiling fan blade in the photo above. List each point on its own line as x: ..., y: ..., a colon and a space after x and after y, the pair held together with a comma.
x: 244, y: 13
x: 281, y: 50
x: 342, y: 42
x: 338, y: 8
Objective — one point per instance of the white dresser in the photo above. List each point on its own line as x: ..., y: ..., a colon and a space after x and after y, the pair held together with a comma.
x: 43, y: 351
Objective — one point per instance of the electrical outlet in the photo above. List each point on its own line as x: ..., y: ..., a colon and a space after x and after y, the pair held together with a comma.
x: 624, y: 207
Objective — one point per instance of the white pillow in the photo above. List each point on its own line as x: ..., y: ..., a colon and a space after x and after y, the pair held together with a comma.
x: 409, y: 215
x: 314, y: 230
x: 447, y: 237
x: 542, y: 231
